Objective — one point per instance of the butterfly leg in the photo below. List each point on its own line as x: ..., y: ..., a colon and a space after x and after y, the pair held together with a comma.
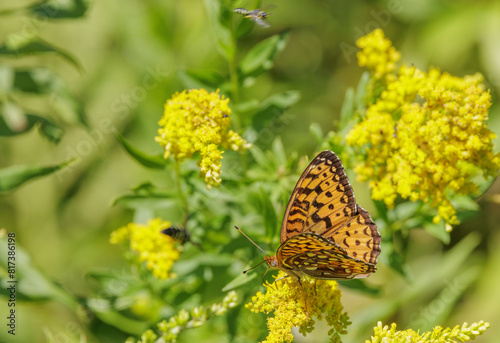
x: 305, y: 297
x: 301, y: 286
x: 281, y: 278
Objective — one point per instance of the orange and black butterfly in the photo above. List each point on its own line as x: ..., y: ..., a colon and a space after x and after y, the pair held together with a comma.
x: 324, y: 233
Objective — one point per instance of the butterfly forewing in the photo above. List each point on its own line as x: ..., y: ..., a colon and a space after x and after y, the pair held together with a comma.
x: 323, y: 203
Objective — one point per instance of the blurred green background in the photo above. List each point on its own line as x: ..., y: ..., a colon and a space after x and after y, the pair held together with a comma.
x: 132, y: 55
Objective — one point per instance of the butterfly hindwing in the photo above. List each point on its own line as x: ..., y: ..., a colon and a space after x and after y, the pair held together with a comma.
x: 313, y: 255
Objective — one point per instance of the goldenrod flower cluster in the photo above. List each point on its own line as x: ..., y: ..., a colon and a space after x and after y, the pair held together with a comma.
x: 158, y: 250
x: 147, y: 337
x: 171, y: 329
x: 285, y: 298
x: 425, y: 135
x: 438, y: 335
x: 377, y: 54
x: 197, y: 120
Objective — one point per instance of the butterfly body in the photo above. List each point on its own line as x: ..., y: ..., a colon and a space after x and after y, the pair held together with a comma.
x: 324, y: 233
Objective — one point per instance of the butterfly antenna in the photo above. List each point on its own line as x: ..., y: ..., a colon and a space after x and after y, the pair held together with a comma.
x: 245, y: 271
x: 265, y: 273
x: 237, y: 228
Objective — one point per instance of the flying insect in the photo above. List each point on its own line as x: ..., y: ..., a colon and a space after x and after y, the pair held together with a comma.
x: 181, y: 234
x: 257, y: 15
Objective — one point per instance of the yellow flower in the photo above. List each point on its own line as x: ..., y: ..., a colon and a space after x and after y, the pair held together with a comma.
x: 158, y: 250
x: 377, y: 54
x: 171, y: 328
x: 285, y: 298
x: 425, y: 136
x: 438, y: 335
x: 197, y: 120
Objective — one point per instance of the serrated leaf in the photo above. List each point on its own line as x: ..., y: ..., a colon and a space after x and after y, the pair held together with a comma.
x: 261, y: 57
x: 148, y: 161
x: 14, y: 176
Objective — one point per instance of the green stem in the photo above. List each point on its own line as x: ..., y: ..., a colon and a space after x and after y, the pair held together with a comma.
x: 182, y: 196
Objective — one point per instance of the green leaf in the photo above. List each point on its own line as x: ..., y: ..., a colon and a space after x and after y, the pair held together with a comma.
x: 42, y: 81
x: 281, y: 101
x: 14, y: 176
x: 261, y: 57
x: 238, y: 281
x: 359, y: 285
x: 53, y: 9
x: 273, y: 108
x: 204, y: 78
x: 268, y: 213
x: 347, y: 111
x: 361, y: 90
x: 219, y: 16
x: 316, y: 132
x: 156, y: 201
x: 279, y: 153
x: 104, y: 311
x: 46, y: 128
x: 439, y: 309
x: 465, y: 203
x: 243, y: 28
x: 36, y: 81
x: 60, y: 9
x: 31, y: 284
x: 22, y: 44
x: 68, y: 106
x: 146, y: 195
x: 259, y: 157
x: 148, y: 161
x: 438, y: 231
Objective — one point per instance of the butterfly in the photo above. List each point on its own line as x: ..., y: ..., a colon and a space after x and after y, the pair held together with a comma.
x: 324, y: 233
x: 257, y: 15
